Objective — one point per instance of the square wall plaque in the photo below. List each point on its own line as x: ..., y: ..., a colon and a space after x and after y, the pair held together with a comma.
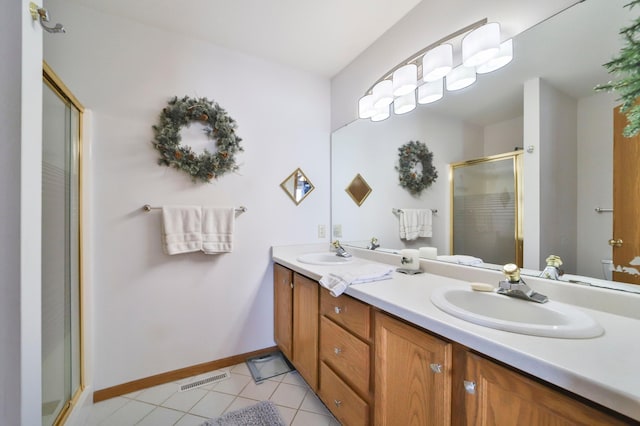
x: 358, y: 189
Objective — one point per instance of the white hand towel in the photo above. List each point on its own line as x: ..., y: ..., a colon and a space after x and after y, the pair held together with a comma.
x: 217, y: 229
x: 415, y: 223
x: 337, y: 282
x: 181, y: 229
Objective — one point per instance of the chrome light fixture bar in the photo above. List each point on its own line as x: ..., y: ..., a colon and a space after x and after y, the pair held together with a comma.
x: 422, y: 77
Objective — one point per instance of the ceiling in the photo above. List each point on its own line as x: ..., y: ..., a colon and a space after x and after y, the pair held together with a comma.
x: 321, y: 36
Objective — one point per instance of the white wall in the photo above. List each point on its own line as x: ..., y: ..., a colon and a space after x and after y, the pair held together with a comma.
x: 428, y: 22
x: 549, y: 176
x: 595, y: 181
x: 372, y: 150
x: 503, y: 137
x: 20, y: 131
x: 152, y: 312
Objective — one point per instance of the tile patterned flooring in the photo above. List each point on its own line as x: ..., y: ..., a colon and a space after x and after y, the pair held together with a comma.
x: 164, y: 405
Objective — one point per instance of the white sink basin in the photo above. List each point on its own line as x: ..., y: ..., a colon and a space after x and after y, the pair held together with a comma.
x: 324, y: 258
x: 489, y: 309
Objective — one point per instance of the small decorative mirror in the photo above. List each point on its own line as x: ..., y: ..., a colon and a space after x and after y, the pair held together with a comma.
x: 297, y: 186
x: 358, y: 189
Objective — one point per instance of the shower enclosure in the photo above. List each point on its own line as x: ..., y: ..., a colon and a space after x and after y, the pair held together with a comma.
x: 486, y: 201
x: 61, y: 250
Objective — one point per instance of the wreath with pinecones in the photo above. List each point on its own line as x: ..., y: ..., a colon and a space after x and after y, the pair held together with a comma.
x: 218, y: 126
x: 410, y: 155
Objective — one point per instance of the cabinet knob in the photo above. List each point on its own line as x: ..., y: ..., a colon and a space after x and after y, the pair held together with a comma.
x: 291, y: 284
x: 470, y: 387
x: 337, y: 309
x: 436, y: 368
x: 337, y: 351
x: 337, y: 402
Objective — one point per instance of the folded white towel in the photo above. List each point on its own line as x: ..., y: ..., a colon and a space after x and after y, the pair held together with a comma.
x: 462, y: 260
x: 338, y: 281
x: 181, y: 229
x: 415, y: 223
x: 217, y: 229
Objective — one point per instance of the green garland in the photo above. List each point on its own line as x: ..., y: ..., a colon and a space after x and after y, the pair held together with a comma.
x: 410, y: 154
x: 627, y: 68
x: 218, y: 126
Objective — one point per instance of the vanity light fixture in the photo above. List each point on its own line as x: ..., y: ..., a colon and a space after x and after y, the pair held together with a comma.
x: 421, y: 77
x: 460, y: 77
x: 405, y: 103
x: 504, y: 56
x: 431, y: 92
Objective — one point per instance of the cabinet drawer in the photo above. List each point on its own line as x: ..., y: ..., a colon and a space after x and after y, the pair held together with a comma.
x: 348, y: 312
x: 343, y: 402
x: 346, y: 354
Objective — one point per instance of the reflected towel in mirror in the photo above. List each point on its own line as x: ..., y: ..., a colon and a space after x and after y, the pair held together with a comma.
x: 338, y: 281
x: 415, y: 223
x: 462, y: 259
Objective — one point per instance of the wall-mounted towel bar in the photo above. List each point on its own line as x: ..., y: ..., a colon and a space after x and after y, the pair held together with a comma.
x: 148, y: 208
x: 603, y: 210
x: 397, y: 211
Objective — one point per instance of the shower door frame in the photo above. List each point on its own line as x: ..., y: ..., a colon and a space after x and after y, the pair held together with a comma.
x: 50, y: 78
x: 516, y: 156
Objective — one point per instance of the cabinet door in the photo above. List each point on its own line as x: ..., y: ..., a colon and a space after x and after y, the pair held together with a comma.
x: 283, y: 309
x: 505, y: 397
x: 305, y: 328
x: 412, y: 375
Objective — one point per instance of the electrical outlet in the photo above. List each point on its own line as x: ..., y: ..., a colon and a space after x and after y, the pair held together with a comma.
x: 337, y: 231
x: 322, y: 231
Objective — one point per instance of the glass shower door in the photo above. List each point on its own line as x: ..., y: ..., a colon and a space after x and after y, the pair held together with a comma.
x: 486, y: 205
x: 61, y: 363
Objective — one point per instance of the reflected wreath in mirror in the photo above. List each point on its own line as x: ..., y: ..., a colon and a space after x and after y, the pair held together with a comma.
x: 218, y: 126
x: 415, y: 167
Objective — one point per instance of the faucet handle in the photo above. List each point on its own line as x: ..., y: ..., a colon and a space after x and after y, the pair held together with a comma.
x: 512, y: 272
x: 336, y: 244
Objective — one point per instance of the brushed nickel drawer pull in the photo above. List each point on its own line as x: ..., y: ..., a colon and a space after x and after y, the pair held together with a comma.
x: 337, y: 351
x: 337, y: 309
x: 470, y: 387
x: 436, y: 368
x: 337, y: 402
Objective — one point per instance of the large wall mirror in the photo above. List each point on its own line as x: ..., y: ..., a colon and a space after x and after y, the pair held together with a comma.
x: 544, y: 103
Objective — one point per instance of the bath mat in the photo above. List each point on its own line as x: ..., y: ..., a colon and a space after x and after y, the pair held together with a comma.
x: 264, y: 413
x: 264, y: 367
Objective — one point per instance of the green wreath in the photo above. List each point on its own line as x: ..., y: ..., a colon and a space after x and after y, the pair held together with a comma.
x: 410, y: 154
x: 218, y: 126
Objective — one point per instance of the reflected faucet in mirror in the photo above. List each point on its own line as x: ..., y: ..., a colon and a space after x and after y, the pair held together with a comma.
x: 374, y: 244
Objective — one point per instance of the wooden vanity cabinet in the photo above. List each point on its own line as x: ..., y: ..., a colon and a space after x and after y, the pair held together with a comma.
x: 496, y: 395
x: 412, y: 375
x: 369, y: 367
x: 296, y: 301
x: 345, y: 358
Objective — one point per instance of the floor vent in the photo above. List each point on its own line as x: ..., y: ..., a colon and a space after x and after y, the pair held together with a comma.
x: 218, y: 377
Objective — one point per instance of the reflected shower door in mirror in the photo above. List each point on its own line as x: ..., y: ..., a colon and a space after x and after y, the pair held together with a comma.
x: 486, y: 205
x: 297, y: 186
x: 543, y: 102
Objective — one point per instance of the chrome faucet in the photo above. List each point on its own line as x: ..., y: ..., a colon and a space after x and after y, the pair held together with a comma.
x: 552, y: 270
x: 514, y: 286
x: 340, y: 251
x: 374, y: 244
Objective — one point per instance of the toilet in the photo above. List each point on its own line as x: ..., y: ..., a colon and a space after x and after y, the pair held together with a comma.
x: 607, y: 269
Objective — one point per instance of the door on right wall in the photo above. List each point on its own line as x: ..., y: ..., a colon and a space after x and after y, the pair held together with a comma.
x: 625, y: 240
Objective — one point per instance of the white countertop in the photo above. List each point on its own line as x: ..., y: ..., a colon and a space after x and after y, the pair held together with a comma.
x: 604, y: 369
